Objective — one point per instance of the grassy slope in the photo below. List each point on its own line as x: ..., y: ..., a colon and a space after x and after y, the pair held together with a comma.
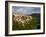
x: 32, y: 25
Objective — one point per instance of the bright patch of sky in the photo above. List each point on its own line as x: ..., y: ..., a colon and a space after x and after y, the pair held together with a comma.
x: 25, y: 10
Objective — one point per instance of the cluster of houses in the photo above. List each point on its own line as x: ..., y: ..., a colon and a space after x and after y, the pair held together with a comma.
x: 22, y: 18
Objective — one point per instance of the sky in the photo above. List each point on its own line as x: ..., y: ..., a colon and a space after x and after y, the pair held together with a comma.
x: 25, y: 10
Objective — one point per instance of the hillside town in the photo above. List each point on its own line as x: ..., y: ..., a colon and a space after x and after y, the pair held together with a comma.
x: 22, y: 18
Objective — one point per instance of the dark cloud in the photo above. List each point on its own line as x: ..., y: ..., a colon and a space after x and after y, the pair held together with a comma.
x: 25, y: 10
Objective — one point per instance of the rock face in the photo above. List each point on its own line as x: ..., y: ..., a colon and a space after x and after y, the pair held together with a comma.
x: 22, y: 18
